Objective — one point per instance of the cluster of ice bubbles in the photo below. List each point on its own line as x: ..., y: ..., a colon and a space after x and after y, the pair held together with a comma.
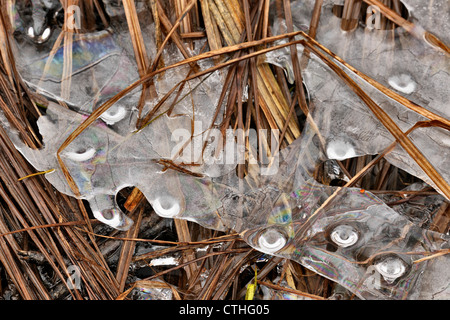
x: 345, y: 234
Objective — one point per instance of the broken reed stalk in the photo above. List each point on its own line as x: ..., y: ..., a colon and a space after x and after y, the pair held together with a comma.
x: 184, y: 235
x: 253, y: 73
x: 300, y: 93
x: 66, y: 79
x: 315, y: 18
x: 136, y: 36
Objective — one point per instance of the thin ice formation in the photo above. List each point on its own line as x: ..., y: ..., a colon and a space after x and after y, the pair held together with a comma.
x: 102, y: 162
x: 101, y: 65
x: 347, y: 138
x: 344, y: 234
x: 401, y: 62
x: 347, y: 235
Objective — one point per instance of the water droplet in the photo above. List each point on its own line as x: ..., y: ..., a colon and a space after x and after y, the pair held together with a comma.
x: 344, y: 236
x: 166, y: 207
x: 403, y: 83
x: 271, y: 241
x: 391, y: 268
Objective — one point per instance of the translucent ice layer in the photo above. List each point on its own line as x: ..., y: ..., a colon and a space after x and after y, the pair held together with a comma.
x: 102, y: 162
x: 345, y: 234
x: 81, y: 69
x: 406, y: 64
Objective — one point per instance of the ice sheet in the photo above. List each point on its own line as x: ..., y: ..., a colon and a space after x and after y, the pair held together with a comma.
x: 406, y: 64
x: 345, y: 234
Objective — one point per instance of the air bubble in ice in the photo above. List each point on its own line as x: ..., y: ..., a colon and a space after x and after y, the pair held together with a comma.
x: 81, y: 156
x: 391, y: 268
x: 271, y: 241
x: 166, y: 207
x: 403, y: 83
x: 30, y: 32
x: 112, y: 218
x: 113, y: 115
x: 344, y: 236
x: 340, y: 150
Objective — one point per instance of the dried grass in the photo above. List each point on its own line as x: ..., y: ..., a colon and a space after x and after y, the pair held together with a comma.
x: 38, y: 223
